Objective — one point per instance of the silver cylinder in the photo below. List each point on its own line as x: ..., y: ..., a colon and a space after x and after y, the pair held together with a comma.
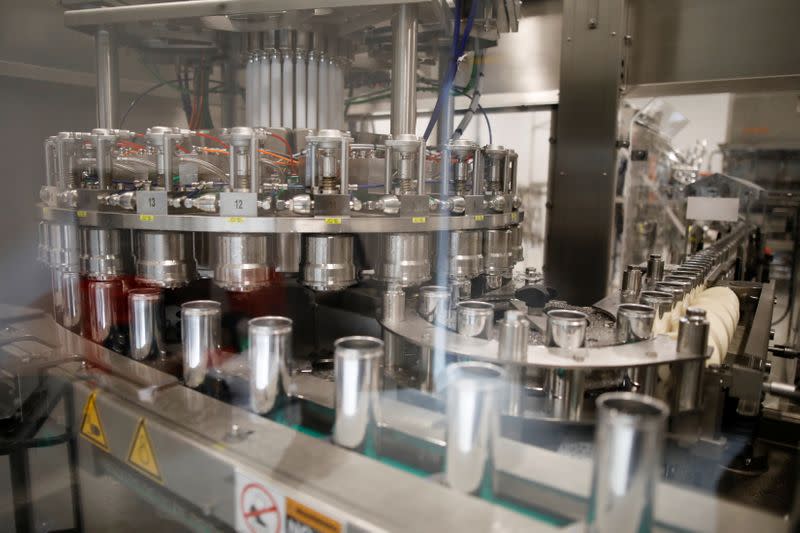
x: 285, y: 252
x: 629, y: 440
x: 566, y: 328
x: 147, y: 320
x: 655, y: 269
x: 675, y: 289
x: 434, y: 304
x: 240, y: 261
x: 512, y: 336
x: 465, y: 254
x: 104, y: 306
x: 475, y: 319
x: 496, y: 252
x: 634, y: 323
x: 107, y: 79
x: 269, y: 355
x: 394, y: 308
x: 67, y: 305
x: 475, y: 397
x: 404, y: 259
x: 164, y: 258
x: 693, y: 330
x: 631, y: 284
x: 64, y: 247
x: 515, y: 242
x: 660, y: 301
x: 200, y: 332
x: 328, y: 262
x: 404, y: 70
x: 357, y: 374
x: 105, y: 253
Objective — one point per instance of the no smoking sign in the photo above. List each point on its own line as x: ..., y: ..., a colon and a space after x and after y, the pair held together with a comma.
x: 261, y: 509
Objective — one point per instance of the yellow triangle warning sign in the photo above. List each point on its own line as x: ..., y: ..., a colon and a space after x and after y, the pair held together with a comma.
x: 142, y: 455
x: 91, y: 426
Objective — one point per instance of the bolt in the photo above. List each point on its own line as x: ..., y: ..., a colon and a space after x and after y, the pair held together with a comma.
x: 592, y: 23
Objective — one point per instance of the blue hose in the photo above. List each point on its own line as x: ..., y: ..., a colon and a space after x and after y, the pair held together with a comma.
x: 459, y: 46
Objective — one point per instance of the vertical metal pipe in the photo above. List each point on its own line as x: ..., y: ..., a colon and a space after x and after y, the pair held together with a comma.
x: 107, y: 79
x: 475, y: 394
x: 404, y: 70
x: 421, y: 167
x: 387, y: 186
x: 344, y: 169
x: 444, y: 128
x: 629, y: 439
x: 269, y: 353
x: 357, y: 364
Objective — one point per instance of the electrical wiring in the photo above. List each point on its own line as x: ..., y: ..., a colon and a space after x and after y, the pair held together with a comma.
x: 211, y: 138
x: 475, y: 99
x: 453, y: 66
x: 141, y: 95
x: 282, y: 139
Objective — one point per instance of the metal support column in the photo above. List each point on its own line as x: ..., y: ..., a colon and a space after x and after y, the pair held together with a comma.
x: 580, y: 208
x: 404, y: 70
x: 107, y: 79
x: 445, y: 125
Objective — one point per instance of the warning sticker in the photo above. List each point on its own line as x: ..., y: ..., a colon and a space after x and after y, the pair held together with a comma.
x: 303, y: 519
x: 261, y: 508
x: 91, y: 426
x: 142, y: 455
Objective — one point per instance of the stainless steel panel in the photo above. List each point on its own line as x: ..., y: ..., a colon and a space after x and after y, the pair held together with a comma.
x: 580, y: 217
x: 713, y: 46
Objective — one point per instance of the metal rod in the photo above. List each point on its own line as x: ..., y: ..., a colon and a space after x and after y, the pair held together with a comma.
x: 387, y: 186
x: 107, y: 79
x: 421, y: 167
x: 404, y: 70
x: 444, y: 129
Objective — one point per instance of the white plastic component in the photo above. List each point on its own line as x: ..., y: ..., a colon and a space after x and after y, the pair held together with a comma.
x: 252, y: 93
x: 323, y: 95
x: 264, y: 90
x: 288, y: 92
x: 300, y: 89
x: 275, y: 119
x: 312, y: 95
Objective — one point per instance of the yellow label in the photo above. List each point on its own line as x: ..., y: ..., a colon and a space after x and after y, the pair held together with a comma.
x: 514, y: 217
x: 91, y: 427
x: 313, y: 520
x: 142, y: 455
x: 147, y: 218
x: 479, y: 218
x: 419, y: 220
x: 235, y: 220
x: 333, y: 220
x: 81, y: 214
